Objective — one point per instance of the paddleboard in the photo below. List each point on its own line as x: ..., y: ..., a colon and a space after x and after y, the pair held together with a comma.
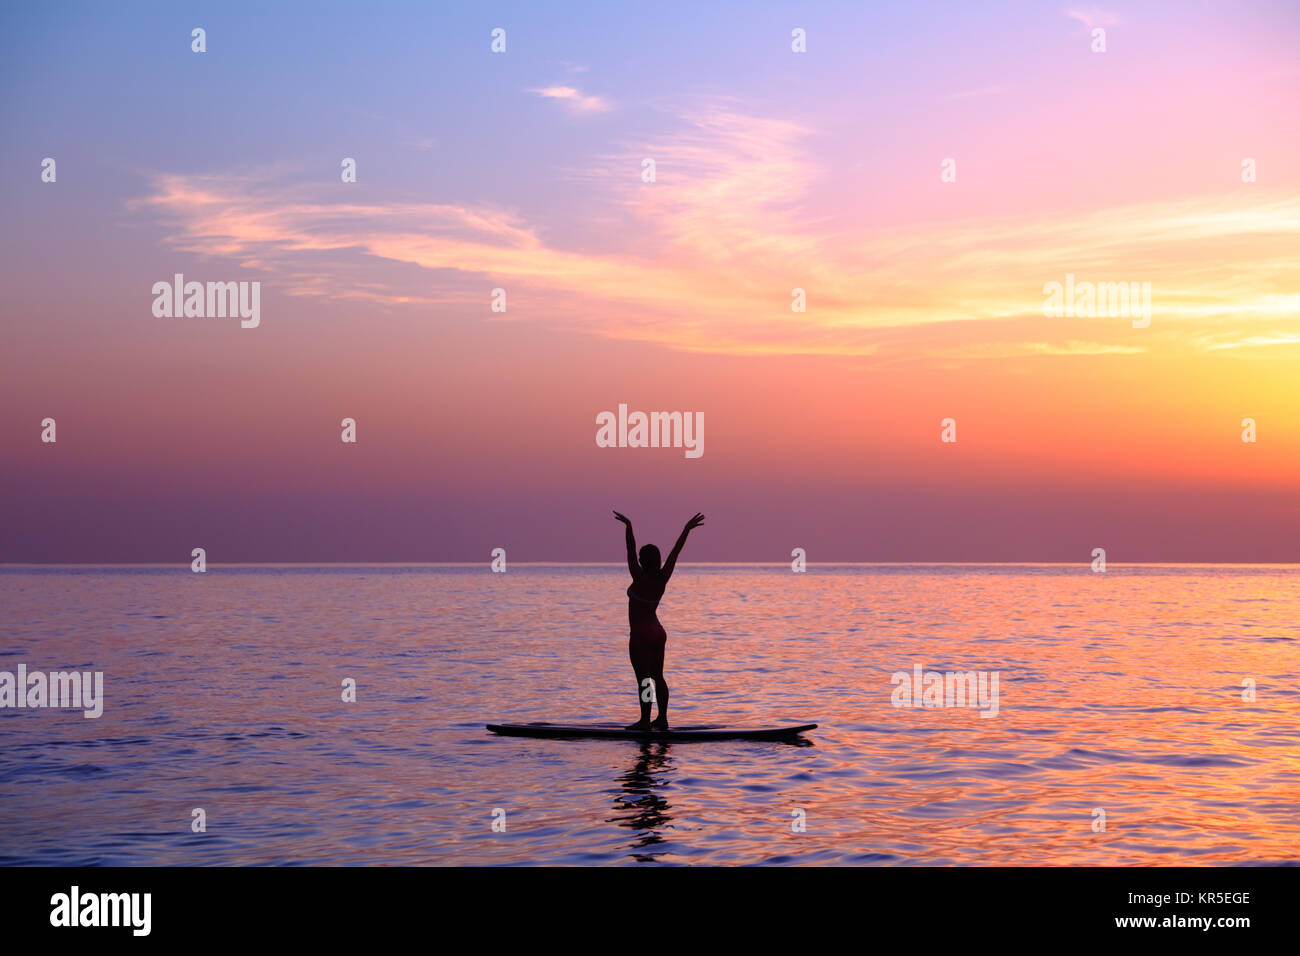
x: 616, y: 732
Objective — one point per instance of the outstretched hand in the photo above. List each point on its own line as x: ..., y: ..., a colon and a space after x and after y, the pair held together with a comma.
x: 623, y: 518
x: 695, y: 522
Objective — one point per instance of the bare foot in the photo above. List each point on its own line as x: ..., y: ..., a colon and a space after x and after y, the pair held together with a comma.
x: 639, y: 725
x: 660, y: 724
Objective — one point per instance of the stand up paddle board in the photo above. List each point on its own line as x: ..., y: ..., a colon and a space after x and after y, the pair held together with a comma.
x: 615, y: 732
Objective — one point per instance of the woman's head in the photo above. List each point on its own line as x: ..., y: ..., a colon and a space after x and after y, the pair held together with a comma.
x: 650, y: 559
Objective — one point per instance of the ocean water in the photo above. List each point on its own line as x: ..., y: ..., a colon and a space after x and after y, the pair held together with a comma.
x: 1119, y: 692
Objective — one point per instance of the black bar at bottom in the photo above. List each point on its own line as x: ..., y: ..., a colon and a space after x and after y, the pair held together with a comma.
x: 332, y: 905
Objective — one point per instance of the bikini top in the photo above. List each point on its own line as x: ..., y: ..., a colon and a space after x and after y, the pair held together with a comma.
x: 637, y: 597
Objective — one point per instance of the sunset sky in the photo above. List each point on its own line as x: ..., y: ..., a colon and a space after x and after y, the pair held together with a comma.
x: 775, y: 170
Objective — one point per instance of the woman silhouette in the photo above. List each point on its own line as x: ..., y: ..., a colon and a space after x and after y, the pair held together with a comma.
x: 647, y: 638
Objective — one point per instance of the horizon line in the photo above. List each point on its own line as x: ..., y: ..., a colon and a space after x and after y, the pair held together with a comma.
x: 619, y: 564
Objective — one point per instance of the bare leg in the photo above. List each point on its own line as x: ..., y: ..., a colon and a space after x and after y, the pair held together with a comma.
x: 636, y: 651
x: 661, y: 687
x: 661, y: 693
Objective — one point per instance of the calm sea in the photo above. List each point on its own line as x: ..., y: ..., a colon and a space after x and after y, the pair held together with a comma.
x: 1119, y: 692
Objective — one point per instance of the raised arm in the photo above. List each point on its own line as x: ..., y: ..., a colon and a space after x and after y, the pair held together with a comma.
x: 677, y: 548
x: 633, y: 565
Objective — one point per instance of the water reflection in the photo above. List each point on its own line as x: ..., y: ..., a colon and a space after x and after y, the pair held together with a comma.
x: 639, y: 806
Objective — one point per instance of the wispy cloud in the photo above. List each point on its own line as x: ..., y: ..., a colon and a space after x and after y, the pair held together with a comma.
x: 574, y: 99
x: 1093, y: 17
x: 1274, y: 340
x: 1018, y: 349
x: 705, y: 258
